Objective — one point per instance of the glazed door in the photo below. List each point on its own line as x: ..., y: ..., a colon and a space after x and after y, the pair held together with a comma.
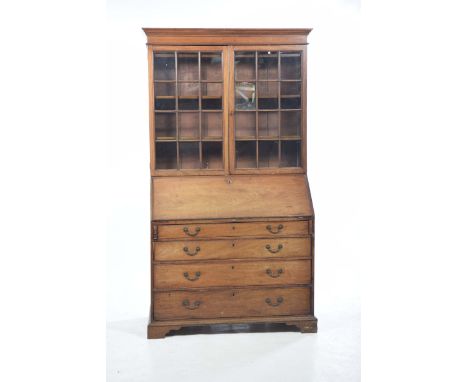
x: 188, y: 104
x: 267, y: 116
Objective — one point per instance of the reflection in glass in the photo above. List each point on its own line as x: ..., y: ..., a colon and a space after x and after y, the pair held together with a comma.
x: 245, y: 96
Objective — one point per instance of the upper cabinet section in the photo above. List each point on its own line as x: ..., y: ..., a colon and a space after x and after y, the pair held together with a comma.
x: 227, y: 101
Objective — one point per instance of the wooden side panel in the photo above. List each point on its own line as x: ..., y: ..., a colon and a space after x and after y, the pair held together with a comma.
x: 232, y: 303
x: 238, y: 196
x: 265, y: 229
x: 231, y: 249
x: 275, y: 272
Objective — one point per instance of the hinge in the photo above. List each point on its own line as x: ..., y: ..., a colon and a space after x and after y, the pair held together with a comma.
x: 155, y: 232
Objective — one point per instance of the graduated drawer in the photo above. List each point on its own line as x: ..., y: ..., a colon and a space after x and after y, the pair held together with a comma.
x: 232, y: 303
x: 231, y: 249
x: 266, y: 229
x: 196, y: 275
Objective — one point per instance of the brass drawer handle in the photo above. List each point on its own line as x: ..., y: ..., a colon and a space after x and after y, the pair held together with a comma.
x: 270, y: 273
x: 279, y: 248
x: 188, y: 253
x: 197, y: 276
x: 187, y: 231
x: 274, y: 231
x: 279, y: 300
x: 195, y: 305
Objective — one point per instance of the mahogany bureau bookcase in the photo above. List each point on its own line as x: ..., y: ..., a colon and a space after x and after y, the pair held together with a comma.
x: 232, y: 222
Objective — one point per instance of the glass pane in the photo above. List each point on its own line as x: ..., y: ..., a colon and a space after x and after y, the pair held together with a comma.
x: 267, y: 65
x: 164, y: 89
x: 212, y: 155
x: 166, y: 155
x: 187, y: 66
x: 245, y: 124
x: 189, y: 126
x: 164, y: 66
x: 188, y: 95
x: 164, y: 94
x: 246, y: 154
x: 268, y: 95
x: 212, y: 125
x: 212, y: 96
x: 268, y: 123
x: 211, y: 67
x: 290, y: 153
x: 165, y: 125
x: 290, y: 123
x: 268, y: 154
x: 189, y: 155
x: 244, y: 66
x: 291, y: 65
x: 290, y: 95
x: 245, y: 96
x: 164, y: 103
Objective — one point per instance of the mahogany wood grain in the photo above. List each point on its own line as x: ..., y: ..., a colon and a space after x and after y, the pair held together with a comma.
x: 231, y: 249
x: 258, y: 229
x: 236, y: 196
x: 216, y: 36
x: 268, y: 272
x: 229, y: 245
x: 231, y: 303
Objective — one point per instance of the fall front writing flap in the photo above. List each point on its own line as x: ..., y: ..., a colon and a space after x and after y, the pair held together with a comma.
x: 235, y: 196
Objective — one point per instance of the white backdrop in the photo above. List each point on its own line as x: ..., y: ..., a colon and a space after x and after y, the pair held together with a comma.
x: 411, y: 216
x: 333, y: 141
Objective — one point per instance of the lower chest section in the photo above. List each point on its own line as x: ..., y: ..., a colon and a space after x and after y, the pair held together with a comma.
x: 251, y: 269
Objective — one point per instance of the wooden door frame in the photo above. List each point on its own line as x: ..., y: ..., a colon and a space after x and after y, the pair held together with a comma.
x: 232, y: 158
x: 225, y: 70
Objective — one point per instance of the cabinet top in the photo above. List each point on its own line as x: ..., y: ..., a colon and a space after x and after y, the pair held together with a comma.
x: 226, y: 36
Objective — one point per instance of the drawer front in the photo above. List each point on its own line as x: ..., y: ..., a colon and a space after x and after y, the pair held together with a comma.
x: 231, y: 249
x: 232, y: 303
x: 191, y: 275
x: 261, y: 229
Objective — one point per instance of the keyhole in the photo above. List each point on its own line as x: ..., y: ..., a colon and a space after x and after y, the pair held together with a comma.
x: 233, y: 294
x: 232, y: 267
x: 233, y: 244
